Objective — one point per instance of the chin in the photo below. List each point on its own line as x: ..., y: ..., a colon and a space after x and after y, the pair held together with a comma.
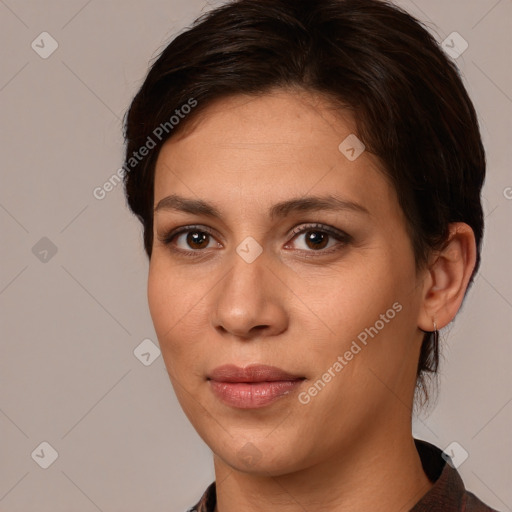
x: 262, y: 456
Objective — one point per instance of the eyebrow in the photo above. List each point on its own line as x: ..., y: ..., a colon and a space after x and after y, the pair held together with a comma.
x: 282, y: 209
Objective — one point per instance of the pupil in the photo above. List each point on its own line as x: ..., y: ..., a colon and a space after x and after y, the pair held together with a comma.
x: 317, y: 239
x: 196, y: 238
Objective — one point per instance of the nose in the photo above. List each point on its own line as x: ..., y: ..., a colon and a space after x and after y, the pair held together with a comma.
x: 250, y: 301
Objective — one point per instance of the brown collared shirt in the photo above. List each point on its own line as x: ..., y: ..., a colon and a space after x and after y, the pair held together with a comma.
x: 446, y: 495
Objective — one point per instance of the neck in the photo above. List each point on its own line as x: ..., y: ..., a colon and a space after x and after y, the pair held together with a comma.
x: 381, y: 473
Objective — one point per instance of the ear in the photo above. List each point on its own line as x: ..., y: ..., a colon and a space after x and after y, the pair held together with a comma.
x: 447, y: 278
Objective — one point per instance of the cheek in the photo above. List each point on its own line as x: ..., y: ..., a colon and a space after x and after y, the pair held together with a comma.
x: 359, y: 294
x: 160, y: 300
x: 370, y: 303
x: 169, y: 307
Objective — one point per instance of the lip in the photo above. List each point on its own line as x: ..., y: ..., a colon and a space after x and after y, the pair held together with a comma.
x: 251, y: 373
x: 251, y: 387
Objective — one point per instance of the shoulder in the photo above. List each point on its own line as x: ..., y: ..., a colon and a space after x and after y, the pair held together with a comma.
x: 472, y: 504
x: 448, y: 492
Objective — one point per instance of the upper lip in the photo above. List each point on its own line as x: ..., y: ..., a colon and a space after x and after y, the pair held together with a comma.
x: 251, y: 373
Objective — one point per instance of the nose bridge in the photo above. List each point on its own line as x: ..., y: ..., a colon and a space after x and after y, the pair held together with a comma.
x: 246, y: 281
x: 247, y: 297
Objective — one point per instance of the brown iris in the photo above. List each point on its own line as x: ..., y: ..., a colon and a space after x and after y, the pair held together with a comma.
x: 317, y: 238
x: 197, y: 239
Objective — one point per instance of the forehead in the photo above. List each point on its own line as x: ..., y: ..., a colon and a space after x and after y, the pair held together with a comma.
x: 254, y: 151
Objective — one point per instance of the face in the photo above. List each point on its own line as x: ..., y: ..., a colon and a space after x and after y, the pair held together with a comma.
x: 282, y: 250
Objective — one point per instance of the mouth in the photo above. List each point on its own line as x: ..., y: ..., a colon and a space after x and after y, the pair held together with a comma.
x: 251, y: 387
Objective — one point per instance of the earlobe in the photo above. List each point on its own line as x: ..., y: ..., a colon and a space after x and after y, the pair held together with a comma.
x: 448, y: 278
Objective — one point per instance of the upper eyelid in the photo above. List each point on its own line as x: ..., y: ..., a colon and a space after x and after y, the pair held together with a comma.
x: 185, y: 229
x: 312, y: 226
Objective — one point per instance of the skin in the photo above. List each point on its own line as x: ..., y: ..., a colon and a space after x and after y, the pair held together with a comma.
x: 351, y: 447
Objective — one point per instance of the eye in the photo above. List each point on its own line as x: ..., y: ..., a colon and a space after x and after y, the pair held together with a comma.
x: 192, y: 240
x: 320, y: 238
x: 191, y: 237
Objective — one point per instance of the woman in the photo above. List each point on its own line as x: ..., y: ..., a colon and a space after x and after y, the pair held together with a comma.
x: 308, y: 175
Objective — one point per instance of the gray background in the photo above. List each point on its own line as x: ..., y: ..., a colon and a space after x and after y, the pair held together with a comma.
x: 72, y: 320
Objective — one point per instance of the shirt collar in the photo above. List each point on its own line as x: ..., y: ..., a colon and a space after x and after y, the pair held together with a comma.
x: 448, y: 489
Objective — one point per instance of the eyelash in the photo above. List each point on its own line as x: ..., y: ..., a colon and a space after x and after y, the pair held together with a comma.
x: 342, y: 237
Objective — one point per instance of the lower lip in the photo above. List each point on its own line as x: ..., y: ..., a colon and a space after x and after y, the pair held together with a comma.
x: 252, y: 395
